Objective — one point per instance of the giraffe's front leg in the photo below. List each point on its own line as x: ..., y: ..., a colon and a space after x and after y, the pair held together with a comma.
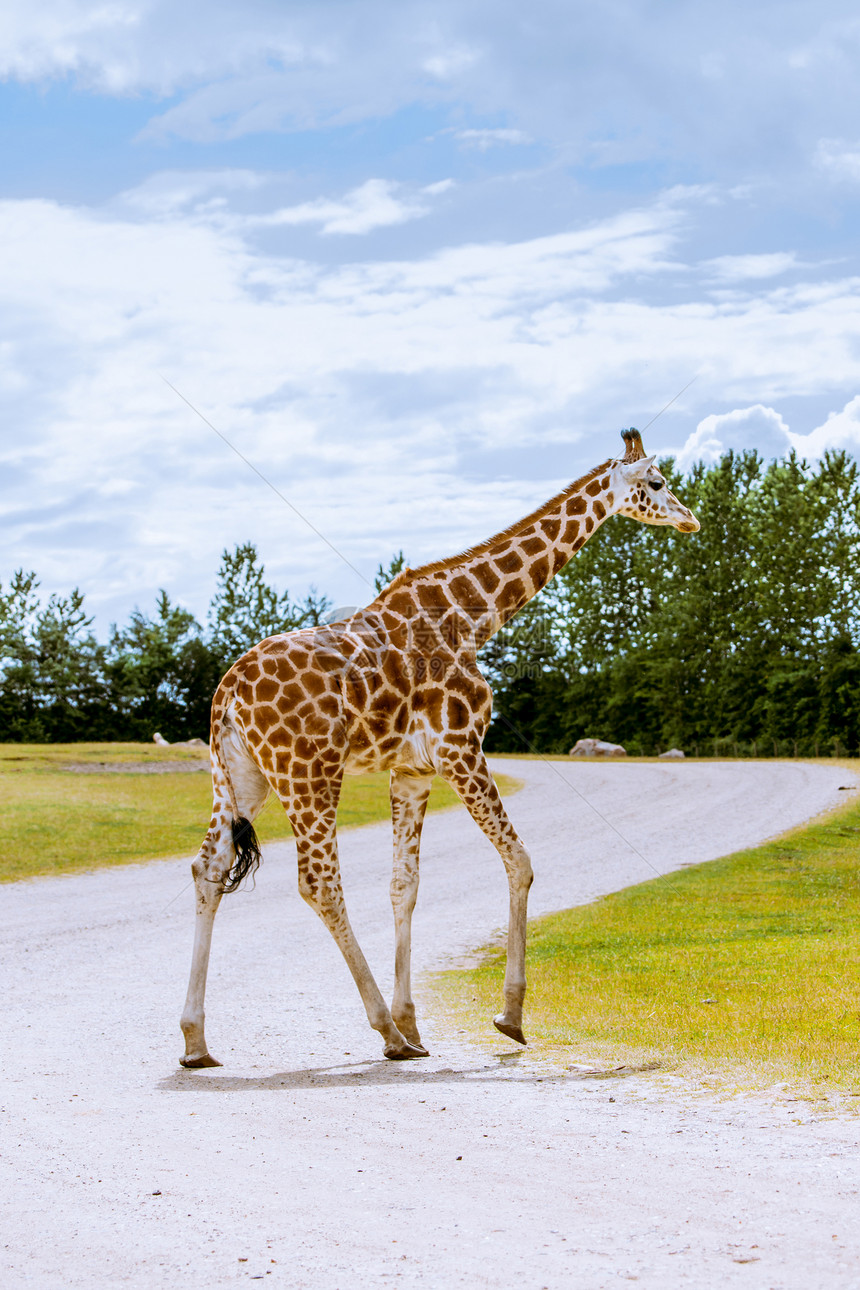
x: 324, y: 894
x: 466, y: 769
x: 519, y: 870
x: 409, y: 795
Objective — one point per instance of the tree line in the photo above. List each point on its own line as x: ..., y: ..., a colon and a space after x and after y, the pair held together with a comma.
x: 158, y: 672
x: 743, y: 638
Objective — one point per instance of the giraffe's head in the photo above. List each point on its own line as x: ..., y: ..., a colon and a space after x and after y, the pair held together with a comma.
x: 642, y: 491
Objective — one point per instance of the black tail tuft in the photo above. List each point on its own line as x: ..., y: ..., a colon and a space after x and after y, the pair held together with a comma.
x: 248, y: 854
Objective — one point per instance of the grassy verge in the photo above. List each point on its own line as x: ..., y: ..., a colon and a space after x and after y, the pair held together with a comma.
x: 743, y: 970
x: 54, y: 820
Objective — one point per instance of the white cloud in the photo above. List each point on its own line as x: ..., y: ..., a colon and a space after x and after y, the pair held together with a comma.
x: 450, y: 62
x: 360, y: 389
x: 738, y: 268
x: 374, y: 204
x: 409, y: 396
x: 483, y: 139
x: 839, y: 159
x: 747, y: 77
x: 441, y: 186
x: 764, y: 429
x: 61, y: 36
x: 840, y: 430
x: 756, y: 427
x: 169, y: 191
x: 355, y: 388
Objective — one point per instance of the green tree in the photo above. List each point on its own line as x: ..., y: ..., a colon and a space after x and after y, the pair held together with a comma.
x: 704, y: 610
x: 246, y: 608
x: 387, y: 573
x: 19, y: 705
x: 746, y: 633
x: 161, y: 674
x: 51, y: 666
x: 69, y: 665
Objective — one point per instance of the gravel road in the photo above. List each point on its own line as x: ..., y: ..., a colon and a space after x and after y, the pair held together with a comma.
x: 308, y: 1161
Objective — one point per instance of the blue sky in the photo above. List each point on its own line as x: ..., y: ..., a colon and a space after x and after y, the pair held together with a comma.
x: 420, y: 263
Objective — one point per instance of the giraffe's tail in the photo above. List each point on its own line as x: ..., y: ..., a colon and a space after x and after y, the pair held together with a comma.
x: 248, y: 854
x: 243, y: 779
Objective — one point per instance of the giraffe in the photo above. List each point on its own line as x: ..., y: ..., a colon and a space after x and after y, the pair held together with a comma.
x: 394, y: 687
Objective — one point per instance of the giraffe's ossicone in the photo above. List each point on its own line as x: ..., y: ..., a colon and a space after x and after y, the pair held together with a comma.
x: 396, y: 687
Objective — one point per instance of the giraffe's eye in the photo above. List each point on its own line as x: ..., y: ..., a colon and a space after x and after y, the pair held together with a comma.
x: 656, y: 484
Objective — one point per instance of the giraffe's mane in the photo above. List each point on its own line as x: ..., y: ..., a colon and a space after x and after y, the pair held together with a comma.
x: 512, y: 531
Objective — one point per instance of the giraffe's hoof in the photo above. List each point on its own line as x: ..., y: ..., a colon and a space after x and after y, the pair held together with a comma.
x: 512, y: 1032
x: 409, y: 1031
x: 405, y: 1051
x: 197, y: 1063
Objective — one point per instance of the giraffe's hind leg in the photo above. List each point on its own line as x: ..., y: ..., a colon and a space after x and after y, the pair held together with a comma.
x: 210, y: 870
x: 409, y: 795
x: 313, y: 812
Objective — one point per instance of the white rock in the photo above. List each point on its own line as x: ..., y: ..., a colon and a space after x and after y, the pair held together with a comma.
x: 596, y: 748
x: 183, y: 743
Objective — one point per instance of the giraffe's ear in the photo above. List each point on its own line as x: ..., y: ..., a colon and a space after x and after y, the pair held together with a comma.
x: 633, y: 444
x: 638, y: 468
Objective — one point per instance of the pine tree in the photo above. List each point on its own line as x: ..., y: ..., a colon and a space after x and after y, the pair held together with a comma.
x: 387, y: 573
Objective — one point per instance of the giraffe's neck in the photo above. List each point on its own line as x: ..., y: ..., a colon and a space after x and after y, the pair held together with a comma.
x: 491, y: 582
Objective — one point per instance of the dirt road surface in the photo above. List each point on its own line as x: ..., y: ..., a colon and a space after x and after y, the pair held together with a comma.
x: 308, y: 1161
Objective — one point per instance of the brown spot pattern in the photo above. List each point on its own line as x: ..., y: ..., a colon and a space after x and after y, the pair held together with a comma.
x: 395, y: 687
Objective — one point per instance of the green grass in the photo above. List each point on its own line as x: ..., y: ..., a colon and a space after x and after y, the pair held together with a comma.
x: 53, y: 820
x: 745, y: 969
